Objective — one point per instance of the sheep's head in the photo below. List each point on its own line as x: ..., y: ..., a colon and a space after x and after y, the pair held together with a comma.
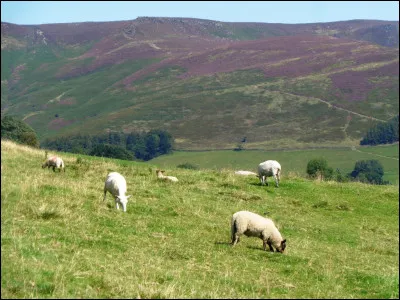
x: 281, y: 247
x: 124, y: 201
x: 160, y: 173
x: 44, y: 165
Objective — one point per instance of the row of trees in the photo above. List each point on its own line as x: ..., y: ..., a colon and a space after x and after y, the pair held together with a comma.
x: 142, y: 146
x: 367, y: 171
x: 382, y: 133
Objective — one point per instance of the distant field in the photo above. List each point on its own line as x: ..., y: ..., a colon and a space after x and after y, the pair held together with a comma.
x: 291, y: 161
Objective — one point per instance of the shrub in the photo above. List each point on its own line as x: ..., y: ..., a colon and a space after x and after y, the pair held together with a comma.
x: 340, y: 177
x: 368, y: 171
x: 318, y: 168
x: 18, y: 131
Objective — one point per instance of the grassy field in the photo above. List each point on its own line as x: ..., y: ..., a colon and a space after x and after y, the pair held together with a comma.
x: 60, y: 240
x: 294, y: 161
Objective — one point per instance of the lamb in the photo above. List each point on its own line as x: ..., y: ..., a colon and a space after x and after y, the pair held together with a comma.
x: 160, y: 175
x: 254, y: 225
x: 115, y: 184
x: 54, y: 162
x: 245, y: 173
x: 269, y: 168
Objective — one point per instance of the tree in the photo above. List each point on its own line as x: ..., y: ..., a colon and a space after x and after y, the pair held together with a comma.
x: 382, y: 133
x: 113, y: 151
x: 370, y: 171
x: 16, y: 130
x: 318, y: 167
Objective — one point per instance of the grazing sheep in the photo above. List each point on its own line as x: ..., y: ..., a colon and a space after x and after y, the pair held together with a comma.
x: 160, y: 175
x: 54, y: 162
x: 251, y: 224
x: 245, y: 173
x: 269, y: 168
x: 115, y: 184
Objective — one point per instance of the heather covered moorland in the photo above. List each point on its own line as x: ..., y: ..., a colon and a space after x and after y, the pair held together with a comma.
x: 208, y: 83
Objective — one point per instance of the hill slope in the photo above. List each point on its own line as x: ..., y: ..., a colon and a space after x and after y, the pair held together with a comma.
x: 60, y: 240
x: 209, y: 83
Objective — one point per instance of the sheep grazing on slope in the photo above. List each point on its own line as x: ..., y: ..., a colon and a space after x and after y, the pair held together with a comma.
x: 54, y: 162
x: 115, y: 184
x: 160, y: 175
x: 245, y: 173
x: 251, y: 224
x: 269, y: 168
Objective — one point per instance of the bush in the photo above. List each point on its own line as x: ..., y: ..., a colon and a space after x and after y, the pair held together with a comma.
x: 18, y: 131
x: 368, y: 171
x: 340, y: 177
x: 318, y: 168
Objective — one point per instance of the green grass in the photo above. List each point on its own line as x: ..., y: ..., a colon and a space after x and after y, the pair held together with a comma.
x: 60, y: 240
x: 293, y: 161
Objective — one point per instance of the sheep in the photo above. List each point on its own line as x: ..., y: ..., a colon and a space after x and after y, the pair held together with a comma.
x: 269, y: 168
x: 254, y: 225
x: 115, y: 184
x: 54, y: 162
x: 160, y: 175
x: 245, y: 173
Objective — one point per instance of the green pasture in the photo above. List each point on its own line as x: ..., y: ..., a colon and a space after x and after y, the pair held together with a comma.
x: 294, y: 161
x: 59, y: 239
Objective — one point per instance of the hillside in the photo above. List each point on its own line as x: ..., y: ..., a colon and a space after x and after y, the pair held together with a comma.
x: 60, y: 240
x: 208, y: 83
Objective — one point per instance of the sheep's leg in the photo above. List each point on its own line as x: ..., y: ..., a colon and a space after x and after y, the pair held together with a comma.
x: 265, y: 245
x: 54, y: 168
x: 276, y: 180
x: 235, y: 240
x: 105, y: 194
x: 116, y: 204
x: 270, y: 246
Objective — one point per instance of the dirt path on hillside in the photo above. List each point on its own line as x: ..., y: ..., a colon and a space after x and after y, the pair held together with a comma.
x: 376, y: 154
x: 337, y: 107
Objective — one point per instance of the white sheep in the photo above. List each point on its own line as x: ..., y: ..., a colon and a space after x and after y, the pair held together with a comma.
x: 245, y: 173
x: 269, y: 168
x: 115, y: 184
x: 54, y: 162
x: 253, y: 225
x: 160, y: 175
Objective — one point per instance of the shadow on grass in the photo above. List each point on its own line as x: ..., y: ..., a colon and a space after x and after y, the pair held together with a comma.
x: 269, y: 188
x: 223, y: 243
x: 257, y: 248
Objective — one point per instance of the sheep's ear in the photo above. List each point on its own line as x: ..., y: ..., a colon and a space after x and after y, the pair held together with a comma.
x: 128, y: 196
x: 283, y: 242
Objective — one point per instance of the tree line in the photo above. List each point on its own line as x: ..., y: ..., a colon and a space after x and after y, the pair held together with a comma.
x: 382, y: 133
x: 140, y: 146
x: 128, y: 146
